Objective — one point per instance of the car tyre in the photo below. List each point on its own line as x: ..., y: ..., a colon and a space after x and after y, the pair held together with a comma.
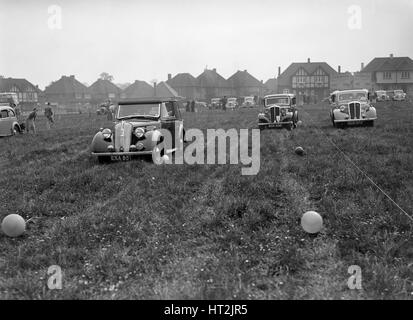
x: 370, y: 123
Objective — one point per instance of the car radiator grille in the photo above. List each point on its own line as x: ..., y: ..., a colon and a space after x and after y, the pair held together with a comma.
x: 355, y: 110
x: 274, y: 112
x: 123, y: 134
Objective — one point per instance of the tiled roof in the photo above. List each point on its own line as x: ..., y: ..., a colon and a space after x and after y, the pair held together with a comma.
x: 103, y: 87
x: 243, y: 79
x: 389, y: 64
x: 309, y: 67
x: 22, y: 84
x: 212, y: 79
x: 139, y: 89
x: 66, y: 85
x: 164, y: 90
x: 182, y: 80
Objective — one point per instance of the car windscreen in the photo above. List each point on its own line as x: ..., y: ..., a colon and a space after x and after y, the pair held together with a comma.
x: 352, y: 96
x: 278, y: 100
x: 139, y: 110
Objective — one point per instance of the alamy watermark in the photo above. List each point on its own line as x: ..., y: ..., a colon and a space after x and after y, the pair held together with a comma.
x: 215, y: 146
x: 354, y: 281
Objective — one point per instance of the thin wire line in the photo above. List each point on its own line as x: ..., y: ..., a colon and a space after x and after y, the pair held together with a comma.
x: 357, y: 167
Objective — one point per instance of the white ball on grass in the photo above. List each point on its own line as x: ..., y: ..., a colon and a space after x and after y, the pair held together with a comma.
x: 13, y: 225
x: 311, y: 222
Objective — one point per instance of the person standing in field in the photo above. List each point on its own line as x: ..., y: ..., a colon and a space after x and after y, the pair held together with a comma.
x: 224, y: 103
x: 30, y: 121
x: 193, y: 106
x: 49, y: 116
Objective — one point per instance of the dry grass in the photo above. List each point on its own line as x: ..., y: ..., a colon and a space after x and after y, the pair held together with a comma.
x: 136, y: 230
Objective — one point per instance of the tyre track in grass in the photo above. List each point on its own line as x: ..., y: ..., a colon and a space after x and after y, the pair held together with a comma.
x: 324, y: 276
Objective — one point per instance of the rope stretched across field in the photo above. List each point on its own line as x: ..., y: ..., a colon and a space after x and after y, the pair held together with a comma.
x: 357, y: 167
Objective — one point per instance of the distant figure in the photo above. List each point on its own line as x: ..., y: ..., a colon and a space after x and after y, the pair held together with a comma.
x: 224, y: 103
x: 193, y: 106
x: 188, y: 106
x: 112, y: 110
x: 49, y: 116
x: 30, y: 121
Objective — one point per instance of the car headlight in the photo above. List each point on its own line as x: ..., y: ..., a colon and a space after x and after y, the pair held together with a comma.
x: 107, y: 133
x: 343, y: 108
x: 139, y: 132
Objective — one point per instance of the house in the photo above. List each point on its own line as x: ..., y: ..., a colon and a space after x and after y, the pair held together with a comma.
x: 244, y: 84
x: 27, y: 93
x: 138, y: 89
x: 271, y: 86
x: 389, y: 73
x: 164, y: 90
x: 349, y: 81
x: 307, y: 79
x: 67, y: 91
x: 213, y: 85
x: 102, y: 90
x: 185, y: 85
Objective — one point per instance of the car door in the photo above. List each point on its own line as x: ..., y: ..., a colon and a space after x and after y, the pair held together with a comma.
x: 5, y: 123
x: 168, y: 118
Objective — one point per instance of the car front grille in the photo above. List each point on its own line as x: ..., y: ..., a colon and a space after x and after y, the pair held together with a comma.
x: 123, y: 134
x: 355, y: 110
x: 274, y: 112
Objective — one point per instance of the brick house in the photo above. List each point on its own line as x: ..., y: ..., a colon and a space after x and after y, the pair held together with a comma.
x: 67, y: 91
x: 102, y: 90
x: 27, y: 93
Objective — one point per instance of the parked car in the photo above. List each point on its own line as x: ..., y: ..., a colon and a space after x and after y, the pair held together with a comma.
x: 382, y: 95
x: 248, y: 102
x: 216, y: 103
x: 279, y: 112
x: 351, y: 107
x: 137, y: 129
x: 232, y: 103
x: 9, y: 124
x: 399, y: 95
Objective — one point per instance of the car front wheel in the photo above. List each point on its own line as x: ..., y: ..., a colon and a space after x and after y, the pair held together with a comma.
x: 103, y: 159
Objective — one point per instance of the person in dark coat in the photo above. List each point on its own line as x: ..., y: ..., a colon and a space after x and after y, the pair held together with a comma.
x: 224, y: 103
x: 193, y: 106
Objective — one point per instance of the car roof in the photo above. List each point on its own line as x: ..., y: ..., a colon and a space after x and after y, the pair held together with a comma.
x: 290, y: 95
x: 346, y: 91
x: 6, y: 108
x: 146, y: 100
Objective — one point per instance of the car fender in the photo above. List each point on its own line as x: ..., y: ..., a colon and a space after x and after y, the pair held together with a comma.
x: 99, y: 144
x: 338, y: 115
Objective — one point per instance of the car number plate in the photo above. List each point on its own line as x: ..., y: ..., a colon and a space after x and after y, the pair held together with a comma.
x: 120, y: 158
x: 352, y: 122
x: 276, y: 125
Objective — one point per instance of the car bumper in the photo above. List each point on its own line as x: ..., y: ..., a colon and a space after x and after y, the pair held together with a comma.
x: 135, y: 153
x: 355, y: 120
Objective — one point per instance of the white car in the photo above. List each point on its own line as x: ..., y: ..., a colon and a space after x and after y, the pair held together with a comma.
x: 351, y: 107
x: 382, y: 95
x: 231, y: 103
x: 399, y: 95
x: 248, y: 102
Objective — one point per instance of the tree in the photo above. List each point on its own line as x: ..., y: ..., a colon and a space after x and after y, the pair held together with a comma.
x: 106, y: 76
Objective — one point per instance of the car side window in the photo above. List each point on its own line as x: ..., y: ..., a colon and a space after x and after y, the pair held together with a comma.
x: 170, y: 110
x: 11, y: 113
x: 4, y: 114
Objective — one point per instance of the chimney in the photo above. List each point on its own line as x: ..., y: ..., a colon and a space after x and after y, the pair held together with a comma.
x: 72, y: 76
x: 169, y: 76
x: 154, y: 89
x: 279, y: 71
x: 391, y: 55
x: 215, y: 70
x: 362, y: 66
x: 245, y: 70
x: 308, y: 60
x: 339, y: 69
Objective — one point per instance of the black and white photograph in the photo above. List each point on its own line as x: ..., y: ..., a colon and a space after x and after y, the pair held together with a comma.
x: 206, y: 154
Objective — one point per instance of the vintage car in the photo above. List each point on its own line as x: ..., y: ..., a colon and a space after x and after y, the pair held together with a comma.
x: 399, y: 95
x: 232, y: 103
x: 381, y: 95
x: 215, y: 103
x: 351, y: 107
x: 279, y: 112
x: 248, y: 102
x: 137, y: 129
x: 9, y: 125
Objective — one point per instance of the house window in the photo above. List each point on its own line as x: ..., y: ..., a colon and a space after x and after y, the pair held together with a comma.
x: 387, y: 75
x: 405, y: 75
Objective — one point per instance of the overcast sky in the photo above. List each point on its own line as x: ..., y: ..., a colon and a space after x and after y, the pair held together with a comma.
x: 146, y: 40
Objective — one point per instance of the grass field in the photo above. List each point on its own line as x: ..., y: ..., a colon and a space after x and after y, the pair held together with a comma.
x: 139, y: 231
